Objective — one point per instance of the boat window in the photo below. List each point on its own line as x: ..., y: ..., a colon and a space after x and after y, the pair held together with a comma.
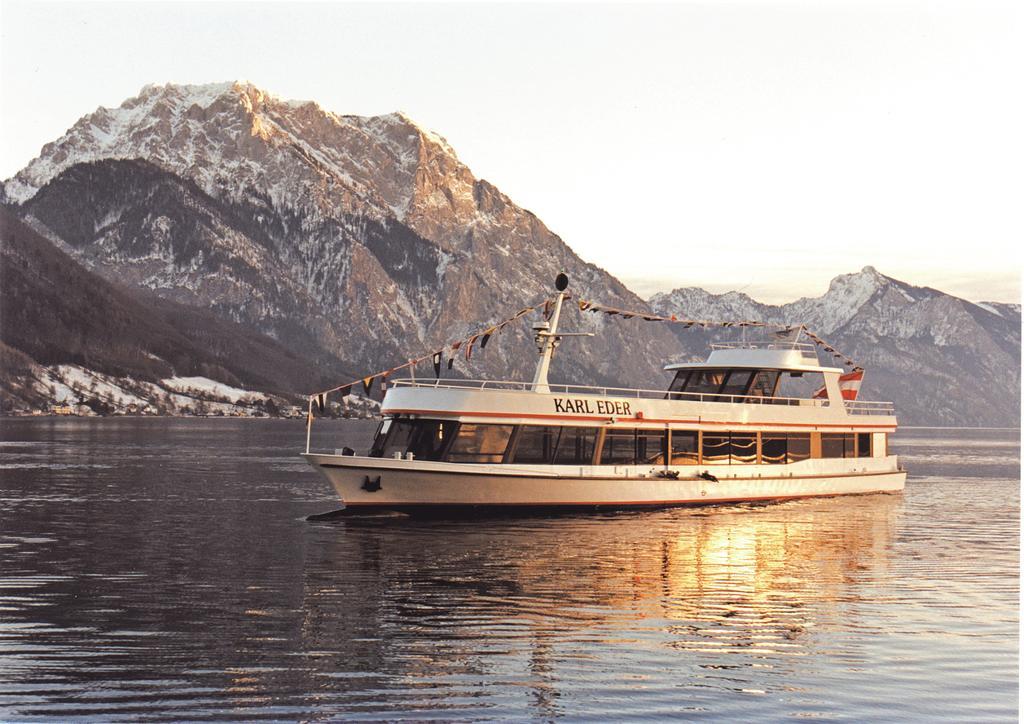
x: 379, y: 437
x: 773, y: 448
x: 650, y: 447
x: 705, y: 381
x: 684, y: 447
x: 737, y: 382
x: 619, y: 447
x: 743, y: 447
x: 679, y: 381
x: 392, y: 437
x: 801, y: 385
x: 764, y: 384
x: 425, y: 439
x: 535, y: 445
x: 778, y: 448
x: 429, y: 437
x: 798, y: 446
x: 864, y: 444
x: 576, y: 446
x: 715, y: 447
x: 838, y: 445
x: 479, y: 443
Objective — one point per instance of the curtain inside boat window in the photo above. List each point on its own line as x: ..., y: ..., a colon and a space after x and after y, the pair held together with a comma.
x: 779, y: 448
x: 715, y: 448
x: 743, y: 448
x: 475, y: 443
x: 684, y: 447
x: 798, y: 446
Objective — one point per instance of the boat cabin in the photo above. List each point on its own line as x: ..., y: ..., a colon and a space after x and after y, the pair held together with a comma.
x: 752, y: 373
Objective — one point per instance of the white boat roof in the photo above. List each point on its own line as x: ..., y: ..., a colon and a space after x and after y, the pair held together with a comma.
x: 796, y: 358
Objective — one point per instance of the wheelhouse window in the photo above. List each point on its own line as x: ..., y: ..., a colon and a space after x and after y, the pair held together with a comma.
x: 425, y: 439
x: 864, y: 444
x: 764, y: 383
x: 480, y: 443
x: 737, y: 382
x: 705, y: 381
x: 684, y: 448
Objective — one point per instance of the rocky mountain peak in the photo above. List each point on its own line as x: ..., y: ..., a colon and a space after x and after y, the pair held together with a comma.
x: 233, y: 138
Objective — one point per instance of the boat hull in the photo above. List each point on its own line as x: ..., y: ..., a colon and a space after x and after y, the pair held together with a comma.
x: 410, y: 486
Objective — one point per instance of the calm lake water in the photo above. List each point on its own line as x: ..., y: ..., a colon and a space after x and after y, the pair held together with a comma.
x: 155, y: 569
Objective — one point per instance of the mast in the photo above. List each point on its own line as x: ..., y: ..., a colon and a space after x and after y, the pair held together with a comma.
x: 547, y: 338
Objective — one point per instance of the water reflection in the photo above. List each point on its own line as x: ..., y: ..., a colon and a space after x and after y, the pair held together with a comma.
x: 707, y: 591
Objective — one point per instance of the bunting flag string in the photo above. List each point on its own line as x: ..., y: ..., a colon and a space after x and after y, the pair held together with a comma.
x: 588, y: 306
x: 319, y: 399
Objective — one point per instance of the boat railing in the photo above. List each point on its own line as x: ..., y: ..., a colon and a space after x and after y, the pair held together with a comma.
x: 806, y: 349
x: 509, y: 386
x: 868, y: 407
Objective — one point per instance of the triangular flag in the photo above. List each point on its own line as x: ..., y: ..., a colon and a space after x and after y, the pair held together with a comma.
x: 486, y: 338
x: 346, y: 391
x: 451, y: 361
x: 367, y: 382
x: 437, y: 364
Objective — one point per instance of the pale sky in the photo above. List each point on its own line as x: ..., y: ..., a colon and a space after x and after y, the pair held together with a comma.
x: 761, y: 146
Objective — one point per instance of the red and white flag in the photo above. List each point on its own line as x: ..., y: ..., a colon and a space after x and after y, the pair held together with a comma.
x: 849, y: 385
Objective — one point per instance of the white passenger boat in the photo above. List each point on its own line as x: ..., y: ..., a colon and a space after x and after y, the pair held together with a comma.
x: 722, y: 431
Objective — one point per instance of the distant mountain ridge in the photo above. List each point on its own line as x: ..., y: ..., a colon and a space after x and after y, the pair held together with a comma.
x: 939, y: 357
x: 357, y: 242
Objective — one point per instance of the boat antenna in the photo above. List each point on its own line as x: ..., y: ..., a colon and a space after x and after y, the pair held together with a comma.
x: 545, y: 334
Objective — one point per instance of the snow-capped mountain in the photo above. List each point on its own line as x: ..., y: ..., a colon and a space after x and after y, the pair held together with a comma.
x: 365, y: 236
x: 944, y: 360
